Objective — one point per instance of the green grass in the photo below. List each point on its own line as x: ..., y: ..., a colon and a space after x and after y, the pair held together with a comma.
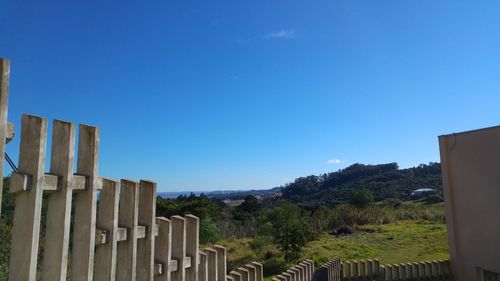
x: 399, y: 242
x: 403, y: 241
x: 240, y: 252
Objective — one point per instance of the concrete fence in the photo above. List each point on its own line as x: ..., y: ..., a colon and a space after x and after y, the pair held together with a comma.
x: 115, y: 233
x: 371, y: 270
x: 329, y: 271
x: 302, y: 271
x: 249, y: 272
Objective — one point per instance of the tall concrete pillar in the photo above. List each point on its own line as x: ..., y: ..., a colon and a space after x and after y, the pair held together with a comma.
x: 127, y: 218
x: 163, y: 248
x: 107, y: 220
x: 221, y: 263
x: 192, y: 245
x: 82, y: 255
x: 27, y: 212
x: 178, y: 247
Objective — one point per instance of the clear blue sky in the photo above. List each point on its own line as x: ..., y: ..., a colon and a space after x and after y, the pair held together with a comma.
x: 201, y: 95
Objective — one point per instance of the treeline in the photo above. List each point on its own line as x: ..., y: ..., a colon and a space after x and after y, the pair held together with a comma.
x: 384, y: 181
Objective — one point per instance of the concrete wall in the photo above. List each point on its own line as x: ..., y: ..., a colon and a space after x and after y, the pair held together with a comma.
x: 471, y: 181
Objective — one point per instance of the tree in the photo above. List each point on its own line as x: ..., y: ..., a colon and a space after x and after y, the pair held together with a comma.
x: 208, y: 231
x: 248, y: 209
x: 289, y: 229
x: 320, y: 221
x: 361, y: 198
x: 250, y: 205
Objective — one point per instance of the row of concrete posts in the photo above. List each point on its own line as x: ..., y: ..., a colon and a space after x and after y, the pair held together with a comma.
x: 302, y: 271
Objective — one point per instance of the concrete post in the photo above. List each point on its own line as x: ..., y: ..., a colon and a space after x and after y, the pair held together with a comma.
x: 4, y: 100
x: 236, y: 276
x: 307, y: 274
x: 362, y: 269
x: 192, y: 246
x: 288, y: 276
x: 403, y: 271
x: 311, y: 268
x: 297, y: 269
x: 428, y: 269
x: 347, y: 270
x: 252, y: 272
x: 146, y: 218
x: 212, y: 264
x: 354, y: 268
x: 376, y: 268
x: 179, y: 247
x: 82, y: 255
x: 328, y: 266
x: 260, y: 271
x: 388, y: 272
x: 107, y: 220
x: 308, y: 270
x: 203, y: 267
x: 245, y: 275
x: 305, y: 268
x: 163, y: 248
x: 221, y: 262
x: 395, y: 272
x: 55, y: 257
x: 369, y: 268
x: 127, y: 218
x: 25, y: 231
x: 382, y: 274
x: 280, y: 278
x: 421, y: 269
x: 301, y: 271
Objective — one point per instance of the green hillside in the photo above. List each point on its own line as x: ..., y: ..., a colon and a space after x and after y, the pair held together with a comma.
x: 383, y: 180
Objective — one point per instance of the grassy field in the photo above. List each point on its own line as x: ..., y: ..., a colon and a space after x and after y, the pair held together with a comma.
x: 402, y: 241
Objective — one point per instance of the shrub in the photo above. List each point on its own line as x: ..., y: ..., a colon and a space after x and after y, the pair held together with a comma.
x: 5, y: 233
x: 208, y: 232
x: 433, y: 198
x: 274, y: 266
x: 361, y: 198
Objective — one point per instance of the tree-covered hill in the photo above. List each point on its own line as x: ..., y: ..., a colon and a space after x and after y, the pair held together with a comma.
x: 384, y: 180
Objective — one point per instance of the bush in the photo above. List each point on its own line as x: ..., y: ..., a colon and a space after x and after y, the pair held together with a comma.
x: 433, y: 198
x: 274, y: 266
x: 361, y: 198
x: 5, y: 233
x: 393, y: 202
x: 208, y: 232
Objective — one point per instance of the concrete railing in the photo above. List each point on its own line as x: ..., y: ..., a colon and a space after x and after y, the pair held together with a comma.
x: 249, y: 272
x: 329, y: 271
x: 302, y: 271
x: 116, y: 234
x: 371, y: 270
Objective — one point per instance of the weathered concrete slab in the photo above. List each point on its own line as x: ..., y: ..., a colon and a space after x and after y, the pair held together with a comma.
x: 55, y: 256
x: 27, y: 212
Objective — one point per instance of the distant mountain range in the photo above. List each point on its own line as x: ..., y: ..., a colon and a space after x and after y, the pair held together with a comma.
x: 223, y: 194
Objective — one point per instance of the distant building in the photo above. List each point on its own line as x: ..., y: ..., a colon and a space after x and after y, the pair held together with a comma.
x: 421, y: 191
